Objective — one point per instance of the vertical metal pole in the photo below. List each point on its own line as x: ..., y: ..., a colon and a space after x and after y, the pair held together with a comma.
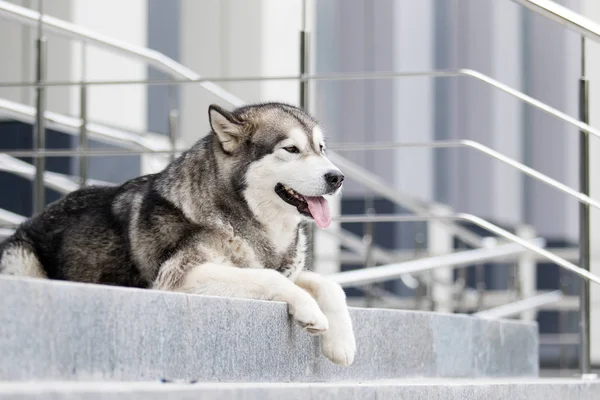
x: 563, y: 323
x: 369, y: 241
x: 26, y: 56
x: 462, y: 283
x: 527, y: 271
x: 441, y: 284
x: 420, y: 290
x: 173, y: 121
x: 305, y: 105
x: 83, y: 132
x: 39, y: 131
x: 584, y: 221
x: 480, y: 285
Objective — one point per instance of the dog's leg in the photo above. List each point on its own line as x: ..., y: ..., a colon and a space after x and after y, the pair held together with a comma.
x: 338, y: 343
x: 248, y: 283
x: 19, y: 259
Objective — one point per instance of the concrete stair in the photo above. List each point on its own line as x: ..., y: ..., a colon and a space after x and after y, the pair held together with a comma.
x: 69, y: 331
x: 68, y: 340
x: 455, y: 389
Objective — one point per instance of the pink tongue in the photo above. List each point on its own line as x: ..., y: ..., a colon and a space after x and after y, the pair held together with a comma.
x: 319, y: 209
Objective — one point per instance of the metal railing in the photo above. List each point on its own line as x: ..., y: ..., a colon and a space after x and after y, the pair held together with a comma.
x: 166, y: 64
x: 71, y: 125
x: 572, y: 20
x: 517, y: 307
x: 482, y: 223
x: 59, y: 182
x: 455, y: 260
x: 549, y: 9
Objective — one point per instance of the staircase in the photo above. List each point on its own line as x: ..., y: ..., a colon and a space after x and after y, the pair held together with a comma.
x: 64, y: 340
x: 89, y: 341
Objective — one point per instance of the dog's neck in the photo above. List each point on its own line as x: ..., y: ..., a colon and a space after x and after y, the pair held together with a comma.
x: 283, y: 232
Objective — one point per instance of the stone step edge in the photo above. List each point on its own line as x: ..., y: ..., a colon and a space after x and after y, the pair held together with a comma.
x: 134, y: 388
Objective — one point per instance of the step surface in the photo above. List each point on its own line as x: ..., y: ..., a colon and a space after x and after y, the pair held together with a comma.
x: 59, y: 331
x: 451, y: 389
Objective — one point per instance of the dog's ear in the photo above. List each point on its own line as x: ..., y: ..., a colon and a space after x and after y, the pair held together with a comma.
x: 228, y: 129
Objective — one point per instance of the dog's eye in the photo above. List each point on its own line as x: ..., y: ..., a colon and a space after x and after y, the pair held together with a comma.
x: 292, y: 149
x: 322, y: 148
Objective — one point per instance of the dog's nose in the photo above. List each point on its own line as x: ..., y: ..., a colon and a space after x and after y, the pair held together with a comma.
x: 334, y: 179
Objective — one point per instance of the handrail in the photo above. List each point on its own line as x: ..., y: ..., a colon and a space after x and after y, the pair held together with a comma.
x: 59, y: 182
x: 72, y: 125
x: 465, y: 258
x: 355, y: 243
x: 517, y: 307
x: 5, y: 233
x: 482, y: 223
x: 377, y: 185
x: 156, y: 59
x: 10, y: 217
x: 341, y: 77
x: 556, y: 12
x: 483, y: 149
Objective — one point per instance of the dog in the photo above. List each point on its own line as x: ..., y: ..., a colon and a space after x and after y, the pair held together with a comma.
x: 226, y: 218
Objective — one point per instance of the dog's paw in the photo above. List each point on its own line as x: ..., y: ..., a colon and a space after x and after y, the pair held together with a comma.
x: 339, y: 348
x: 309, y: 316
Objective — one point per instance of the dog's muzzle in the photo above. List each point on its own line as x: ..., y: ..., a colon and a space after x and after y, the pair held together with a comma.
x: 334, y: 180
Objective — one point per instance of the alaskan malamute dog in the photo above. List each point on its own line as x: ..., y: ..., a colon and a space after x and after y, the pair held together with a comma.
x: 223, y: 219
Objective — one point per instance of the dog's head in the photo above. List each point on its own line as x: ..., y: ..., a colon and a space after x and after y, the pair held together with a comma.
x: 276, y: 152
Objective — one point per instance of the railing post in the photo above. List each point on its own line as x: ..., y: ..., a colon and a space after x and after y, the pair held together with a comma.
x: 39, y: 139
x: 369, y: 242
x: 83, y: 111
x: 526, y: 271
x: 440, y: 241
x: 420, y: 290
x: 584, y: 221
x: 305, y: 105
x: 173, y: 121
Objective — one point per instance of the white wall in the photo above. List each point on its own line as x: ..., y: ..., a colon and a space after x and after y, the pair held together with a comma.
x: 20, y: 50
x: 121, y: 106
x: 14, y: 50
x: 223, y: 39
x: 117, y: 105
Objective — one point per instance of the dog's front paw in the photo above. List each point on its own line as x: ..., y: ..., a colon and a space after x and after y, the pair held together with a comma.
x: 309, y: 316
x: 339, y: 347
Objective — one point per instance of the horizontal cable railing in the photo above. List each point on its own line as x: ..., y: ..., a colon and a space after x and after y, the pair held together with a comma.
x: 341, y: 77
